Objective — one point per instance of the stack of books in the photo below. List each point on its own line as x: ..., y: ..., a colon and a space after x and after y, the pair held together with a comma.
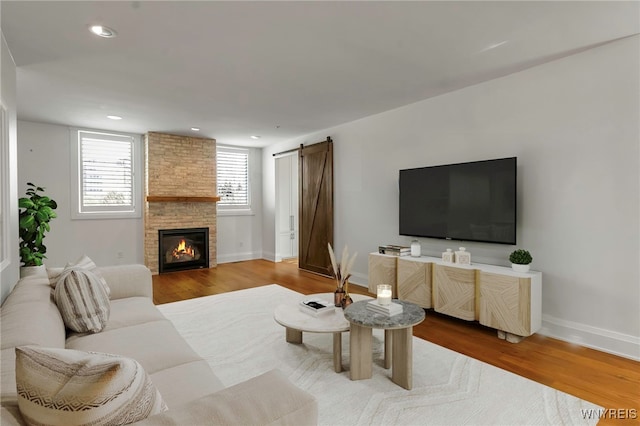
x: 394, y: 250
x: 388, y: 310
x: 316, y: 307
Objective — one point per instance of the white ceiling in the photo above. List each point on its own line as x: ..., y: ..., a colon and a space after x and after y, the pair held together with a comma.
x: 278, y: 69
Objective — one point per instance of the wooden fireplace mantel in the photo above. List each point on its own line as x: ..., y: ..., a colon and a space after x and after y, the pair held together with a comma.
x: 180, y: 199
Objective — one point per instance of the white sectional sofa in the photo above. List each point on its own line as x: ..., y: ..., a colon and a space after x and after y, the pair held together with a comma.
x: 136, y: 329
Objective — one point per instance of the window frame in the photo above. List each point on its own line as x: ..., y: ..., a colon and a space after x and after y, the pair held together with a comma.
x: 235, y: 209
x: 77, y: 209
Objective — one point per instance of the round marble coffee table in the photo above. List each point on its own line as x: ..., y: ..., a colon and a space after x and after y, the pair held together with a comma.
x: 296, y: 322
x: 398, y: 340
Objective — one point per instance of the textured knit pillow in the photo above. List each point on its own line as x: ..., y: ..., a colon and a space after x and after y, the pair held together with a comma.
x: 82, y: 301
x: 68, y: 387
x: 84, y: 262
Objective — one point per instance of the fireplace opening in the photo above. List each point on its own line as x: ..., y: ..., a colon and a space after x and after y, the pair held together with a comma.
x: 182, y: 249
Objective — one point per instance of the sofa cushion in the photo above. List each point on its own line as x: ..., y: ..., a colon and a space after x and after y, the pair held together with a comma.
x: 8, y: 377
x: 156, y: 345
x: 268, y: 399
x: 29, y: 316
x: 83, y: 300
x: 67, y: 387
x: 186, y: 382
x: 128, y: 281
x: 132, y: 311
x: 10, y: 415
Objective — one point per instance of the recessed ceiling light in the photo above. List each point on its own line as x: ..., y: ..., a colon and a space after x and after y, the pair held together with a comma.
x: 195, y: 129
x: 102, y: 31
x: 255, y: 137
x: 493, y: 46
x: 114, y: 117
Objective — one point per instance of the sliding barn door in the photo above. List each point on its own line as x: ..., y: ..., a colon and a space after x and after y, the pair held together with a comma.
x: 316, y: 206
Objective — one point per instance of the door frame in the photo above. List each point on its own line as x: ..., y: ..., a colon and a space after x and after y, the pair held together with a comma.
x: 278, y: 249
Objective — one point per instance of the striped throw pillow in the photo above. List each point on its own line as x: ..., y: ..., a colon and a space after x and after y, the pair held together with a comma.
x: 84, y: 262
x: 82, y: 300
x: 68, y: 387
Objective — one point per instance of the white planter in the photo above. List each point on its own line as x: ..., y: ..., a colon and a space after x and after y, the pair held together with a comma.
x: 27, y: 271
x: 520, y: 268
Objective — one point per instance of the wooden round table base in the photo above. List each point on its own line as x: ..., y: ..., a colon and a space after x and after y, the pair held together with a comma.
x: 398, y: 341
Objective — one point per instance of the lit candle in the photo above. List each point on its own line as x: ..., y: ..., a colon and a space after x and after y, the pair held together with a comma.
x: 384, y: 294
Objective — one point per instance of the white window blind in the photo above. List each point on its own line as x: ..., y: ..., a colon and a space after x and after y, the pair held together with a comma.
x: 106, y: 168
x: 232, y: 170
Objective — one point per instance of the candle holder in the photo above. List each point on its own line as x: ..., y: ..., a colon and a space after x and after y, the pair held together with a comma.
x: 384, y: 294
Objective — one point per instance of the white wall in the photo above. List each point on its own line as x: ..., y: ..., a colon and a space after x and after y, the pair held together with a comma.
x: 10, y: 267
x: 44, y: 158
x: 240, y: 236
x: 573, y: 124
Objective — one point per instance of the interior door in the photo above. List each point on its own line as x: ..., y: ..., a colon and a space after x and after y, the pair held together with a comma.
x: 316, y: 206
x: 287, y: 207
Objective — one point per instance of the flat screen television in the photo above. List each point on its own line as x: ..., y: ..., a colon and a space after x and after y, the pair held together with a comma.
x: 473, y: 201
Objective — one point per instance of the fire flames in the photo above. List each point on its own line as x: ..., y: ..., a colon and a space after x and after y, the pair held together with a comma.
x: 183, y: 251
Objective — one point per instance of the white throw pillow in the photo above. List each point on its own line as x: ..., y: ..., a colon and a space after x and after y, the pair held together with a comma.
x: 68, y: 387
x: 82, y: 300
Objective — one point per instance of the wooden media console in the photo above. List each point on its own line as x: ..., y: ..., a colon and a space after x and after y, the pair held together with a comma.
x: 496, y: 296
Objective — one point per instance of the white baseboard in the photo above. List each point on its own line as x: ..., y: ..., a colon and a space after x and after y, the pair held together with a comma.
x: 592, y: 337
x: 238, y: 257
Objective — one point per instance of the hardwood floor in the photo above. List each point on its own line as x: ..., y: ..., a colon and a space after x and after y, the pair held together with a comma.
x: 604, y: 379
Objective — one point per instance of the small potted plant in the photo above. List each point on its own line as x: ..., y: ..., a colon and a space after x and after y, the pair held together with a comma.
x: 520, y: 260
x: 36, y: 211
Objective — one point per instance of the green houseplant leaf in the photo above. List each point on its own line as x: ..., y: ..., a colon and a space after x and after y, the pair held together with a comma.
x: 27, y: 222
x: 25, y: 203
x: 36, y: 211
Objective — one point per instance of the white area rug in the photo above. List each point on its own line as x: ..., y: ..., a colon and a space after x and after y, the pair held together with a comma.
x: 236, y: 333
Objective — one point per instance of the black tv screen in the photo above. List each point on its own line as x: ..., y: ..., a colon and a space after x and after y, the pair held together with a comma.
x: 473, y: 201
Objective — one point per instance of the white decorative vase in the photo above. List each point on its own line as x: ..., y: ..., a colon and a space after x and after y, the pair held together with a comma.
x: 520, y: 268
x: 448, y: 256
x: 463, y: 257
x: 27, y: 271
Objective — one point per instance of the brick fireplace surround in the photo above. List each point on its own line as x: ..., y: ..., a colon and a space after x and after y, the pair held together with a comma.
x: 182, y: 168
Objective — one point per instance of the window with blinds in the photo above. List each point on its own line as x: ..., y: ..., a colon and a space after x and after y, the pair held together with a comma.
x: 232, y: 168
x: 106, y: 174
